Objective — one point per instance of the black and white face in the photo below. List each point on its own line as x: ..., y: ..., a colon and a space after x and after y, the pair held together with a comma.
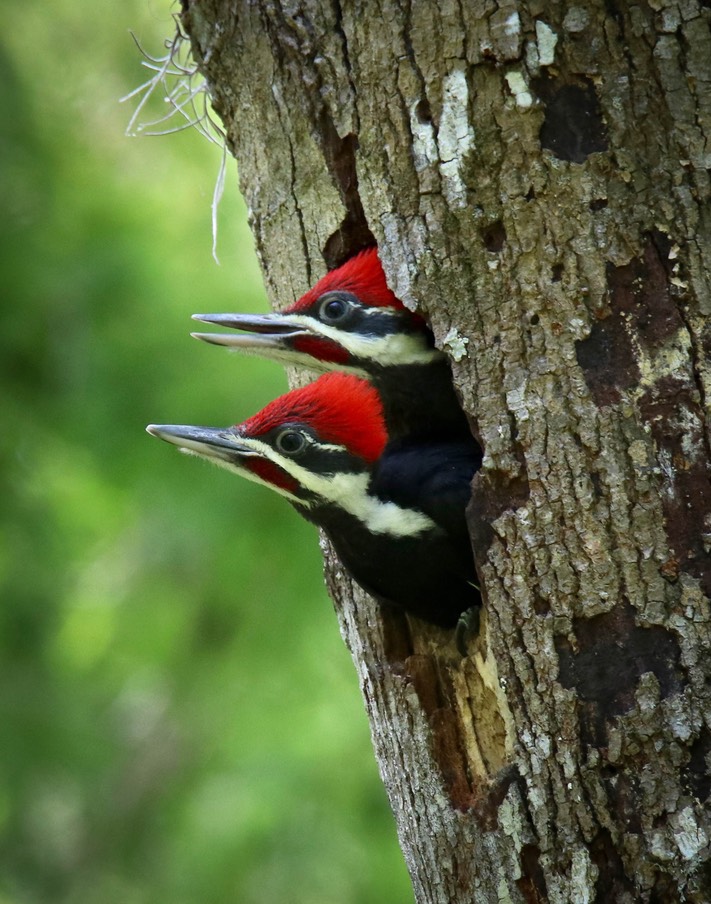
x: 297, y: 463
x: 318, y: 446
x: 335, y: 332
x: 290, y: 458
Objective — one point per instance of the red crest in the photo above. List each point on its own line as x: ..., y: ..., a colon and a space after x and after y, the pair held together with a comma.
x: 339, y: 407
x: 362, y: 276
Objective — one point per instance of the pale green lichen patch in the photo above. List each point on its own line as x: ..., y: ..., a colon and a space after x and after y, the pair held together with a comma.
x: 546, y: 39
x: 456, y: 344
x: 519, y: 89
x: 456, y: 136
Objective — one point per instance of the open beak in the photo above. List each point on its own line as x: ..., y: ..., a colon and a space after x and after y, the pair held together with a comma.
x: 224, y: 445
x: 262, y: 331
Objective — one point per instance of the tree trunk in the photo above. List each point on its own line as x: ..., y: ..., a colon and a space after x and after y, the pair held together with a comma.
x: 537, y: 177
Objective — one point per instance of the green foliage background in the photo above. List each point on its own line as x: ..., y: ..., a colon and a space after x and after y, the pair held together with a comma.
x: 179, y: 718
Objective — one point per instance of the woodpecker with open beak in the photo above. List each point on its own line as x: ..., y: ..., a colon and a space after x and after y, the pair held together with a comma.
x: 351, y: 321
x: 394, y: 512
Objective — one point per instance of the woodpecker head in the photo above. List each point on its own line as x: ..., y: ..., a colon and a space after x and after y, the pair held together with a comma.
x: 350, y: 320
x: 314, y: 445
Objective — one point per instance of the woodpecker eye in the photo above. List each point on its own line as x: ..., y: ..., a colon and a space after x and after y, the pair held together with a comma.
x: 333, y: 309
x: 290, y: 442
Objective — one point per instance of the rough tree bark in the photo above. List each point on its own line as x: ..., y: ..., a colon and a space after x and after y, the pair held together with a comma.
x: 537, y: 176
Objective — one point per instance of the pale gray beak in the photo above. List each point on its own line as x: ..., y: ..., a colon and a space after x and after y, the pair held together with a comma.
x: 263, y: 331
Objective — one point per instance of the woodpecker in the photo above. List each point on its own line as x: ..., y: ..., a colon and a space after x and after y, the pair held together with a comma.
x: 394, y: 511
x: 351, y: 321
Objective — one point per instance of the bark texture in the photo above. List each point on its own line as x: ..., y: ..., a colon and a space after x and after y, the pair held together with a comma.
x: 537, y: 176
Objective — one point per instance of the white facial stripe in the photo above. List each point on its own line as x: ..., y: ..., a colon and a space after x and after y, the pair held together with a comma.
x: 392, y: 350
x: 348, y: 491
x: 397, y: 348
x: 330, y: 447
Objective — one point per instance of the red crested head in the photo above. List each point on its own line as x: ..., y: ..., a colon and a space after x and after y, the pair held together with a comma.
x: 362, y: 276
x: 339, y: 407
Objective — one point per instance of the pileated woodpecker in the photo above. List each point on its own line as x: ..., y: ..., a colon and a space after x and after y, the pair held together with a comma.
x: 393, y: 511
x: 351, y: 321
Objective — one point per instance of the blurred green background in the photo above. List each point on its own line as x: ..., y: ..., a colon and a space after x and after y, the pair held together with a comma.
x: 179, y: 718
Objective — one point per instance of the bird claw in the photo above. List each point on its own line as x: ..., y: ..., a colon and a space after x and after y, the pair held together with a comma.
x: 467, y: 629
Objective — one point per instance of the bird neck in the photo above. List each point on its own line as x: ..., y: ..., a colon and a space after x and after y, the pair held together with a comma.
x: 419, y: 399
